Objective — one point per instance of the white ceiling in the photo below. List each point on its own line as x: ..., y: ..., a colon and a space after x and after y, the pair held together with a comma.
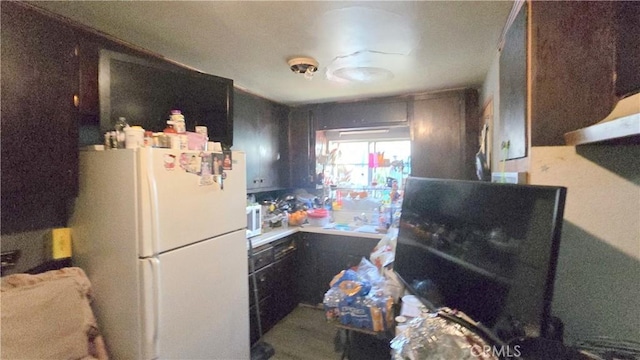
x: 386, y: 48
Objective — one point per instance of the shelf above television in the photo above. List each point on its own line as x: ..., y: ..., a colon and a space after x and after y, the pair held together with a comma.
x: 622, y: 126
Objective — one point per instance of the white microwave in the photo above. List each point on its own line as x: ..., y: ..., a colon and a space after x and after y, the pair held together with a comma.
x: 254, y: 220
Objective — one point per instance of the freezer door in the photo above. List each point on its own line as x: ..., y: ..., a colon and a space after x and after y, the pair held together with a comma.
x: 183, y: 201
x: 203, y: 300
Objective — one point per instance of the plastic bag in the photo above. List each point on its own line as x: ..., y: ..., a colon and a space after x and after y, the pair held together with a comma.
x: 369, y: 272
x: 351, y: 283
x: 393, y: 286
x: 383, y: 253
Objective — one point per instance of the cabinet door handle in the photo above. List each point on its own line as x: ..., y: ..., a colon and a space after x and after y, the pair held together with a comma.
x: 76, y: 100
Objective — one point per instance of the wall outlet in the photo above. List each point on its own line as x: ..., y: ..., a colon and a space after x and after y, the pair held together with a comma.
x: 59, y: 243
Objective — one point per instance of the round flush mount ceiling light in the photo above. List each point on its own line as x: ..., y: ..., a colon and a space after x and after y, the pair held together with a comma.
x: 303, y: 65
x: 362, y: 74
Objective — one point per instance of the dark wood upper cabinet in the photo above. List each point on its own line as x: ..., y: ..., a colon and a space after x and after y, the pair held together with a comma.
x: 572, y: 66
x: 39, y: 117
x: 580, y: 57
x: 301, y: 147
x: 627, y: 48
x: 368, y: 113
x: 144, y: 91
x: 88, y: 58
x: 261, y: 131
x: 51, y: 104
x: 444, y: 138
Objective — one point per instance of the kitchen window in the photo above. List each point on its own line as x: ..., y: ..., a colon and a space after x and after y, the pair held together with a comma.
x: 364, y: 159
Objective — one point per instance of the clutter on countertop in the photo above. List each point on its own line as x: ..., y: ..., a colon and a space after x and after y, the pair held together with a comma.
x: 174, y: 136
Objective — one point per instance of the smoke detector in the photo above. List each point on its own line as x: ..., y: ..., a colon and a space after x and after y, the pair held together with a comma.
x: 303, y: 65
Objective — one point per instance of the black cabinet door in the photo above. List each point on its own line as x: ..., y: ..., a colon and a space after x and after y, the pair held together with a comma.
x: 264, y: 282
x: 285, y: 289
x: 362, y: 114
x: 308, y: 270
x: 260, y: 126
x: 267, y: 319
x: 324, y: 257
x: 448, y: 149
x: 627, y: 48
x: 246, y: 137
x: 301, y: 148
x: 39, y: 152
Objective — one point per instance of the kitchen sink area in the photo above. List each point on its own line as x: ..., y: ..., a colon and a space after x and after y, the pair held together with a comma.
x: 345, y: 230
x: 366, y: 228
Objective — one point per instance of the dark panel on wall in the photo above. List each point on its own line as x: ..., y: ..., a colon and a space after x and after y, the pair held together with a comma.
x: 513, y: 87
x: 628, y: 48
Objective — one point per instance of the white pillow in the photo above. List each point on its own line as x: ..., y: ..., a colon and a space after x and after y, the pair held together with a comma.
x: 49, y: 319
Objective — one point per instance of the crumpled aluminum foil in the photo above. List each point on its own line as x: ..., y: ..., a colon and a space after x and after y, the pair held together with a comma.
x: 429, y: 337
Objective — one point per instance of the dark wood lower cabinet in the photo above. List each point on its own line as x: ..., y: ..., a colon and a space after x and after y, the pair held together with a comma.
x: 298, y: 269
x: 277, y: 289
x: 322, y: 257
x: 284, y: 290
x: 267, y: 318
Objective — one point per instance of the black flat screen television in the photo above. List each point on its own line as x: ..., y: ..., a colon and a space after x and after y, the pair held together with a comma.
x: 486, y: 249
x: 144, y: 91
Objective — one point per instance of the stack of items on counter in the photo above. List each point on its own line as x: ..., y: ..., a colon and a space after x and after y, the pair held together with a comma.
x: 281, y: 213
x: 174, y: 136
x: 354, y: 301
x: 363, y: 297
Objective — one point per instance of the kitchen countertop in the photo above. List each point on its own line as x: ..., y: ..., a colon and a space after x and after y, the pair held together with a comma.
x: 279, y: 233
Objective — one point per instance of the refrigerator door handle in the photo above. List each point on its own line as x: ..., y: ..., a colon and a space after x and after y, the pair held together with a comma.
x: 153, y: 199
x: 150, y: 272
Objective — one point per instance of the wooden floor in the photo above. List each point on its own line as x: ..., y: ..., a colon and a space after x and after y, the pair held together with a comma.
x: 306, y: 335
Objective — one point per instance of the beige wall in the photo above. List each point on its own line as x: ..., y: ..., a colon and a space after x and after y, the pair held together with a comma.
x: 31, y: 245
x: 597, y: 289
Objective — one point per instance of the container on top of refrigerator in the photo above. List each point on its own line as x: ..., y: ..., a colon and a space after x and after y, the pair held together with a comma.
x: 120, y: 126
x: 178, y: 121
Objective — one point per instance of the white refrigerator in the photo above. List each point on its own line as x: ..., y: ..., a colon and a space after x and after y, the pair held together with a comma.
x: 161, y: 235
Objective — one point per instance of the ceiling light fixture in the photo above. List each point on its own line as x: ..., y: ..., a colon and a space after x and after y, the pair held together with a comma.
x: 303, y: 65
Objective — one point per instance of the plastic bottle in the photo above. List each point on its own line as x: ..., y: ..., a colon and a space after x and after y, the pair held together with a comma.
x: 114, y: 139
x: 134, y: 137
x: 148, y: 138
x: 120, y: 126
x: 376, y: 216
x: 107, y: 140
x: 178, y: 121
x: 171, y: 136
